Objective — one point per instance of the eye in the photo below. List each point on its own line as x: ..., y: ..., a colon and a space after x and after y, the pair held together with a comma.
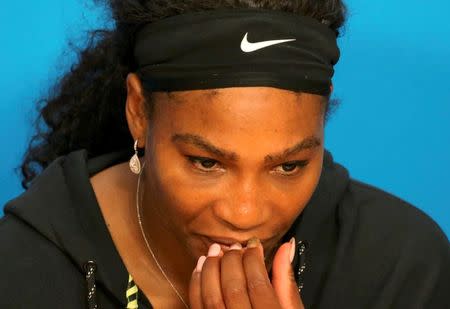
x: 203, y: 164
x: 291, y: 168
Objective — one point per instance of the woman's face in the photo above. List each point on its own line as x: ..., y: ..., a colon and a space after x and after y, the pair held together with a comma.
x: 229, y: 164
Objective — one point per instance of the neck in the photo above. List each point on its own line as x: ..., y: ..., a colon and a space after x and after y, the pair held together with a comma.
x: 165, y: 251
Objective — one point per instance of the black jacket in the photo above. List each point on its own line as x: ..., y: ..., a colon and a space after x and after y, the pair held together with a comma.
x: 365, y: 248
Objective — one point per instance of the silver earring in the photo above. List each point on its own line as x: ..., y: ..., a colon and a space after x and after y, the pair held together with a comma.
x: 135, y: 164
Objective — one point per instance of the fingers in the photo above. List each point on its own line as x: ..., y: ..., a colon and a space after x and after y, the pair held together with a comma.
x: 238, y: 279
x: 219, y: 281
x: 259, y: 288
x: 211, y: 290
x: 283, y: 280
x: 195, y: 290
x: 210, y: 284
x: 234, y: 285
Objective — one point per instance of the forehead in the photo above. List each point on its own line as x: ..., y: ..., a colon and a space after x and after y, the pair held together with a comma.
x: 239, y: 106
x: 211, y: 93
x: 243, y: 95
x: 247, y: 119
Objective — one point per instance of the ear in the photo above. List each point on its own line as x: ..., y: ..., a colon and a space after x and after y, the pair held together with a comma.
x: 331, y: 88
x: 135, y: 110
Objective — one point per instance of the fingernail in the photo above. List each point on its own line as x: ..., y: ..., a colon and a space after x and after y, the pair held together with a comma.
x: 253, y: 242
x: 200, y: 263
x: 292, y: 251
x: 236, y: 246
x: 214, y: 250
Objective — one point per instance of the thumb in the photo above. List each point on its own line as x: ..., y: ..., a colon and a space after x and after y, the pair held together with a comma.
x: 283, y: 280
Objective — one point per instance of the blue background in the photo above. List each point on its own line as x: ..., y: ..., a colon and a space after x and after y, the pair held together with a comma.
x: 392, y: 129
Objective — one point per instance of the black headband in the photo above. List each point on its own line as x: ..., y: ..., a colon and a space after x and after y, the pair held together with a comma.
x: 235, y: 48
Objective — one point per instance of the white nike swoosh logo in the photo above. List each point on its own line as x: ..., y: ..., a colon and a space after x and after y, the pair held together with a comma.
x: 248, y: 47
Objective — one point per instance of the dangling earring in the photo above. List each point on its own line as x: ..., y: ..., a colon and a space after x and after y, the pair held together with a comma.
x: 135, y: 164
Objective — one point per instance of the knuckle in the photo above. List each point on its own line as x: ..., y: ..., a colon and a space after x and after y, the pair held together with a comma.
x: 291, y: 277
x: 257, y: 284
x: 234, y: 289
x: 212, y: 302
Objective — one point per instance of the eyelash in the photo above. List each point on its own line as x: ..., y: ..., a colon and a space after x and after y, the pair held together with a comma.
x: 297, y: 164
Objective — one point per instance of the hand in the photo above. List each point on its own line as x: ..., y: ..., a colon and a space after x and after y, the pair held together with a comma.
x: 238, y: 279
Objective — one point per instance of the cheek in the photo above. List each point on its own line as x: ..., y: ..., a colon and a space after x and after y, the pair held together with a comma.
x: 173, y: 189
x: 289, y: 199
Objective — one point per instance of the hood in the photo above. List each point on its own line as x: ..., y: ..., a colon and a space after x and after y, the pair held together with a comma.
x: 56, y: 206
x: 318, y: 228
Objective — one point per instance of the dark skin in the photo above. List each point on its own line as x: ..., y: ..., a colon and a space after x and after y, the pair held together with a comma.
x: 221, y: 166
x: 237, y: 278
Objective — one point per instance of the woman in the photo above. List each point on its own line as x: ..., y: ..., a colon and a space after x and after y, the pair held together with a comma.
x: 184, y: 166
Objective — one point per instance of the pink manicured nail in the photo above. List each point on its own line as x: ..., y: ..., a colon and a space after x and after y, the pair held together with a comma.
x: 200, y: 263
x: 236, y: 246
x: 214, y: 250
x: 292, y: 250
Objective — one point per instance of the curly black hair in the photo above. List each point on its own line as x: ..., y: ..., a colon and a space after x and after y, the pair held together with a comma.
x: 86, y: 107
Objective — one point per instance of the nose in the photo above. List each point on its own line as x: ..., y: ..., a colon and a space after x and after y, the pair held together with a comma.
x: 243, y: 207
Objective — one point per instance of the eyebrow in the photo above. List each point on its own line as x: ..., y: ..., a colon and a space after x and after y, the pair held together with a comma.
x: 196, y: 140
x: 202, y: 143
